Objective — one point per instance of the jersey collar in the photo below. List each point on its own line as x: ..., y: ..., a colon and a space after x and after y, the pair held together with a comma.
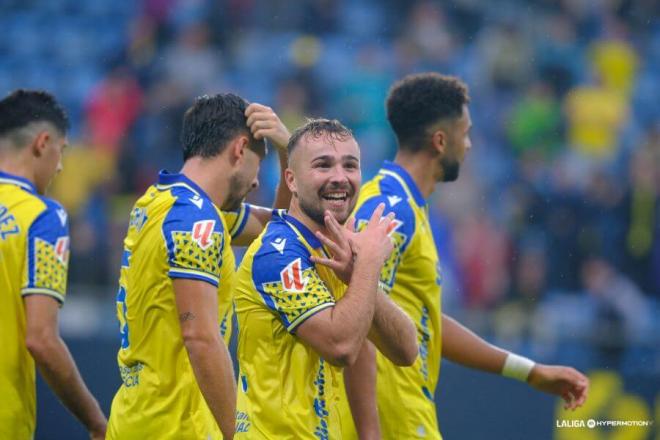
x: 406, y: 180
x: 18, y: 181
x: 167, y: 180
x: 308, y: 235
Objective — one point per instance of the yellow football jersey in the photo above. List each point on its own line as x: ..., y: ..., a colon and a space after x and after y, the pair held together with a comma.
x: 175, y: 231
x: 34, y: 255
x: 285, y: 389
x: 412, y: 278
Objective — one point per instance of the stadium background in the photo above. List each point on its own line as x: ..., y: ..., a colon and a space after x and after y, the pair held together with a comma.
x: 549, y: 241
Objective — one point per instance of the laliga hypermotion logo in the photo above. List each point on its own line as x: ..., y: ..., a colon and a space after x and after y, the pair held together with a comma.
x: 62, y: 249
x: 202, y: 231
x: 292, y: 277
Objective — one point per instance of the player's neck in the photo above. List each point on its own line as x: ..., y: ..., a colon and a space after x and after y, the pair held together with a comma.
x: 16, y: 166
x: 210, y: 175
x: 418, y: 166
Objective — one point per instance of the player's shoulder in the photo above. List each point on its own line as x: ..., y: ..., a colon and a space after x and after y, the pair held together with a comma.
x: 51, y: 214
x: 280, y: 247
x: 190, y: 207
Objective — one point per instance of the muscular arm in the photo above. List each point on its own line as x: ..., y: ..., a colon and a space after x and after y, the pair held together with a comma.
x: 462, y: 346
x: 338, y: 333
x: 56, y: 365
x: 197, y: 306
x: 393, y: 332
x: 360, y: 383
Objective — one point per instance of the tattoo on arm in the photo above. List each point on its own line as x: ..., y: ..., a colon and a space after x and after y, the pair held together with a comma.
x: 187, y: 316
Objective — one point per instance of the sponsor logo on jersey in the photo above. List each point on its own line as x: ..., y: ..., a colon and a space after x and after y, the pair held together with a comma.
x: 62, y: 249
x: 202, y: 231
x: 279, y: 244
x: 292, y: 277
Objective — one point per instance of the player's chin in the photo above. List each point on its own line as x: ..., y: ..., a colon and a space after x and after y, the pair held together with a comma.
x: 339, y: 209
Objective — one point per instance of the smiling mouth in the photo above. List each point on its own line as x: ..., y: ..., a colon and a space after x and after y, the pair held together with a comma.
x: 339, y: 196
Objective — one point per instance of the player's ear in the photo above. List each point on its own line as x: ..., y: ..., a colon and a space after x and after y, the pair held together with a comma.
x: 439, y: 141
x: 40, y: 143
x: 237, y: 149
x: 290, y: 180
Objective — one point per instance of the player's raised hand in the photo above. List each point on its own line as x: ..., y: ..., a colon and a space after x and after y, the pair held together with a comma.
x: 264, y: 123
x: 566, y: 382
x: 374, y: 240
x: 338, y: 241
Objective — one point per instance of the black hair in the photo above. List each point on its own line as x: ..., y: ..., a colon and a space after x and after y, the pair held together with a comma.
x: 23, y: 107
x: 418, y: 101
x: 211, y: 123
x: 317, y: 128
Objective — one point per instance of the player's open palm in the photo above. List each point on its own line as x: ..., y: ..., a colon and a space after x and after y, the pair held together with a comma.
x: 264, y: 123
x: 566, y: 382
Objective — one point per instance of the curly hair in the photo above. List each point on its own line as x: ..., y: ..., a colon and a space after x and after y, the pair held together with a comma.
x: 418, y: 101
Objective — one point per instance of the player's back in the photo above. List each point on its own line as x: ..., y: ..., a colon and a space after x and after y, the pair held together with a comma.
x: 175, y: 231
x: 33, y: 260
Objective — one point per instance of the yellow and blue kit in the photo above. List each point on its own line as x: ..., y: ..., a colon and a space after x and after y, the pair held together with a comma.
x: 412, y: 278
x: 285, y: 389
x: 34, y: 255
x: 175, y: 231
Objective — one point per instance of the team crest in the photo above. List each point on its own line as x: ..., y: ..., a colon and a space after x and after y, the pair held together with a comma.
x: 201, y: 233
x: 292, y: 277
x: 62, y: 249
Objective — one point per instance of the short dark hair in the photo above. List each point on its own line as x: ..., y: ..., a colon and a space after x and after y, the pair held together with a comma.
x: 317, y: 128
x: 23, y: 107
x: 211, y: 123
x: 418, y: 101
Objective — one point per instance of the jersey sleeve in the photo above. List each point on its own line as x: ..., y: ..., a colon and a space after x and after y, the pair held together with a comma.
x: 236, y: 220
x: 194, y: 238
x: 402, y: 234
x: 289, y: 283
x: 47, y: 256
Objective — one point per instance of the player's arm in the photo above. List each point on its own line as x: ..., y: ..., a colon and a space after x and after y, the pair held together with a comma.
x: 392, y: 330
x: 360, y: 383
x: 56, y: 365
x: 265, y: 124
x: 197, y: 306
x: 462, y: 346
x: 337, y: 333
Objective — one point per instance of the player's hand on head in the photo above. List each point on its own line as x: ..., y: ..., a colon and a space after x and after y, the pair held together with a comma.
x: 374, y: 240
x: 565, y: 382
x: 338, y: 242
x: 264, y: 123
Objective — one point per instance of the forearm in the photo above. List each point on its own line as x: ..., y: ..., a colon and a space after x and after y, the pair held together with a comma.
x: 352, y: 315
x: 360, y: 383
x: 214, y: 373
x: 59, y: 370
x: 393, y: 332
x: 282, y: 194
x: 462, y: 346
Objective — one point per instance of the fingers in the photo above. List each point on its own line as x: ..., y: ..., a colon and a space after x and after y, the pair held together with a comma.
x: 334, y: 247
x: 350, y: 224
x: 377, y: 215
x: 255, y: 107
x: 332, y: 264
x: 335, y: 228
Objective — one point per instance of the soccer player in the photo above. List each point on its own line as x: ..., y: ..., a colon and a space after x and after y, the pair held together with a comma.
x: 177, y: 276
x: 299, y: 321
x: 430, y: 117
x: 34, y: 256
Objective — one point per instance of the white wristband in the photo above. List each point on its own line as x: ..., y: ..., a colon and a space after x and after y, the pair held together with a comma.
x: 517, y: 367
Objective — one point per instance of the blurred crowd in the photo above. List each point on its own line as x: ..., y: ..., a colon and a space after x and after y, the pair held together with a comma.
x: 554, y: 224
